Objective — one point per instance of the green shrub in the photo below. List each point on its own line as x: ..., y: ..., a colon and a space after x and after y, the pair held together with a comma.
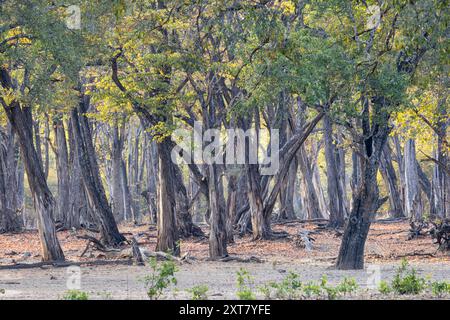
x: 2, y: 291
x: 291, y: 288
x: 406, y: 280
x: 199, y: 292
x: 288, y: 288
x: 347, y: 286
x: 311, y: 289
x: 244, y: 285
x: 440, y: 289
x: 76, y: 295
x: 162, y: 276
x: 384, y: 287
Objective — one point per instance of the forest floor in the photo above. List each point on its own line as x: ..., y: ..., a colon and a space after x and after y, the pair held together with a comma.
x: 387, y: 245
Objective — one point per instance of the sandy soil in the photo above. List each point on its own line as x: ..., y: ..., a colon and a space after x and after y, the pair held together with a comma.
x: 386, y: 246
x: 124, y: 282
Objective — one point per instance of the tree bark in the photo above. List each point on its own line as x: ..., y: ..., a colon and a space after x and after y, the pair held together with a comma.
x: 90, y: 172
x: 44, y: 203
x: 62, y: 168
x: 9, y: 220
x: 167, y: 231
x: 413, y: 200
x: 335, y: 194
x: 366, y: 202
x: 391, y: 182
x: 118, y: 200
x: 217, y: 235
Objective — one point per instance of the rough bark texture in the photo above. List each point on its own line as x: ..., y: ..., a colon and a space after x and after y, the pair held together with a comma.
x: 217, y: 234
x: 366, y: 201
x: 62, y: 169
x: 9, y: 220
x: 90, y: 172
x: 44, y: 203
x: 166, y: 221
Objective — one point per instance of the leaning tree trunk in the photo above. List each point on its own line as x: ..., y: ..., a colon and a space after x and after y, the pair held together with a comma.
x: 43, y: 200
x: 90, y: 172
x: 21, y: 121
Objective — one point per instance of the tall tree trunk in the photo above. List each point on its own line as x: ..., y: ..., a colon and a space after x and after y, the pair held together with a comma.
x: 311, y: 200
x: 401, y: 169
x: 151, y: 164
x: 390, y: 180
x: 43, y: 200
x: 21, y: 121
x: 413, y: 203
x: 118, y: 203
x: 9, y: 220
x: 46, y: 160
x: 80, y: 212
x: 335, y: 194
x: 231, y: 207
x: 287, y: 194
x: 127, y: 213
x: 62, y: 168
x: 260, y: 222
x: 167, y: 230
x: 110, y: 234
x: 366, y: 202
x: 217, y: 235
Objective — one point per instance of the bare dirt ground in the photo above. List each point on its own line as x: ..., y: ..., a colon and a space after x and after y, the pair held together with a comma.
x: 386, y: 246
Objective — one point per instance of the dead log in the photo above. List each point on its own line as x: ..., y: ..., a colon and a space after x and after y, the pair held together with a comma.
x: 440, y: 234
x: 251, y: 259
x: 65, y: 264
x: 418, y: 229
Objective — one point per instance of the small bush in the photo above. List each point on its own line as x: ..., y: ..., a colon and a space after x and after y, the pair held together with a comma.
x: 162, y: 276
x: 440, y: 289
x: 347, y: 286
x: 406, y: 280
x: 2, y: 291
x: 199, y: 292
x: 76, y: 295
x: 244, y: 285
x: 311, y: 289
x: 384, y: 287
x: 292, y: 288
x: 288, y: 288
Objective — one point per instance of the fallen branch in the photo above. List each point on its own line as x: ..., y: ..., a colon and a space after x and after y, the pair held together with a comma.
x: 251, y: 259
x: 65, y: 264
